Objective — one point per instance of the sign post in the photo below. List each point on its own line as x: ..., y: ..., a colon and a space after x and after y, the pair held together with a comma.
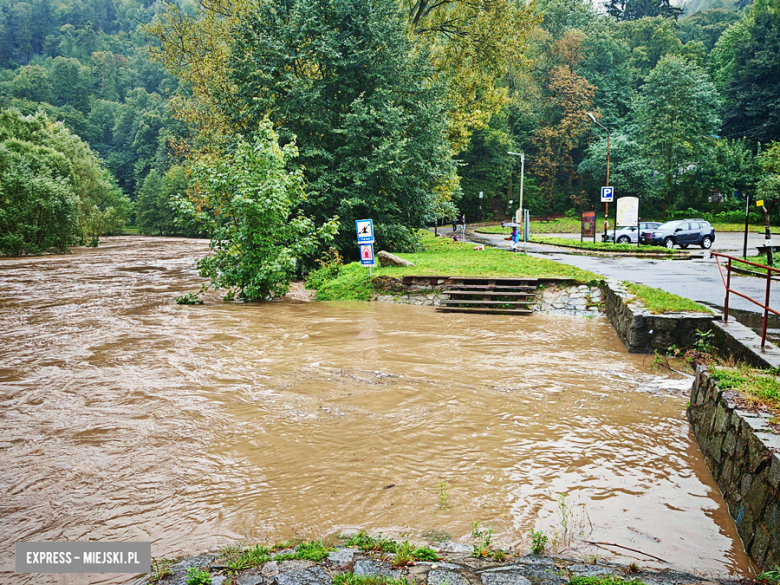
x: 365, y: 239
x: 607, y: 195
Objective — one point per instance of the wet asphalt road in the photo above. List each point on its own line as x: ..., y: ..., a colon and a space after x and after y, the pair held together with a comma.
x: 697, y: 278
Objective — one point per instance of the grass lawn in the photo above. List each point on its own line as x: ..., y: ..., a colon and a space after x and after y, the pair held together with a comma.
x: 444, y: 257
x: 660, y: 301
x: 130, y: 231
x: 602, y: 246
x: 561, y: 225
x: 756, y: 385
x: 760, y: 259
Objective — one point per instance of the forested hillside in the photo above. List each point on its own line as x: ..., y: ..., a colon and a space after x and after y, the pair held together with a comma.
x: 405, y: 110
x: 87, y: 64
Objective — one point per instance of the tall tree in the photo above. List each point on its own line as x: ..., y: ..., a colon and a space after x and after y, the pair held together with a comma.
x: 676, y: 114
x: 369, y: 119
x: 752, y: 88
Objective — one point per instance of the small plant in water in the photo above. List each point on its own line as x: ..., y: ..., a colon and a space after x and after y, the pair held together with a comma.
x: 538, y: 542
x: 633, y: 568
x: 591, y: 559
x: 197, y: 577
x: 500, y: 555
x: 160, y: 569
x: 483, y: 540
x: 444, y: 492
x: 189, y: 299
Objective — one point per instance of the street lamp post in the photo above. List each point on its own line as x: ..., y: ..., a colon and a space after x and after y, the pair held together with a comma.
x: 606, y: 203
x: 522, y: 172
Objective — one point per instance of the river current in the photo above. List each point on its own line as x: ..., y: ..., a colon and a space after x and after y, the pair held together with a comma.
x: 124, y: 416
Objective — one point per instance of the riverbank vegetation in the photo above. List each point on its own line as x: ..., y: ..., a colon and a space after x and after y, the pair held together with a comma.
x: 758, y: 387
x: 659, y: 301
x: 54, y: 191
x: 439, y: 256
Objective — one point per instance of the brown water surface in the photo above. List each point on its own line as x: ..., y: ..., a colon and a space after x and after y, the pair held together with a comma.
x: 126, y: 417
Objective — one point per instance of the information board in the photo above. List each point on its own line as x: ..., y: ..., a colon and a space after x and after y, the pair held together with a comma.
x: 627, y: 212
x: 588, y: 224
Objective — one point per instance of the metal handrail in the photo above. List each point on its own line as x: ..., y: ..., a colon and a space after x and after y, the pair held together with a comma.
x: 727, y: 284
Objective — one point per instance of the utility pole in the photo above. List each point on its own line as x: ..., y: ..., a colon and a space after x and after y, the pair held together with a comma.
x: 606, y: 204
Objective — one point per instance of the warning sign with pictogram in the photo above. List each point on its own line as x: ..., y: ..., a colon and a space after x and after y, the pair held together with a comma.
x: 367, y: 255
x: 365, y: 231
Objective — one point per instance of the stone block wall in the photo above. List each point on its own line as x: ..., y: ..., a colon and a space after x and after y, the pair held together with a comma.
x: 744, y: 457
x: 643, y: 332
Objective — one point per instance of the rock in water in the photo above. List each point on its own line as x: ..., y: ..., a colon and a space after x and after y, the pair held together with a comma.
x: 388, y: 259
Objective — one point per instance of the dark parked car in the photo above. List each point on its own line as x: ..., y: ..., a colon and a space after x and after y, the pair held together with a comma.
x: 628, y: 235
x: 683, y: 233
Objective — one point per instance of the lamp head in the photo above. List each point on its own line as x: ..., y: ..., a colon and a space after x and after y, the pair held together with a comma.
x: 592, y: 117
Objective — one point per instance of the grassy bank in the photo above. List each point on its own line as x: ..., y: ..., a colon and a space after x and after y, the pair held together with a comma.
x: 660, y: 301
x: 603, y: 246
x: 444, y: 257
x: 757, y: 386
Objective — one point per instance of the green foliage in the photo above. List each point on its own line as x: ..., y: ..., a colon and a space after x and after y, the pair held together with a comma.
x: 53, y: 189
x: 483, y: 541
x: 659, y: 301
x: 442, y: 256
x: 749, y: 66
x: 605, y: 580
x: 676, y: 114
x: 368, y: 543
x: 314, y: 551
x: 197, y: 577
x: 538, y: 542
x: 246, y: 197
x: 704, y: 341
x: 772, y: 577
x: 352, y: 579
x: 758, y: 385
x: 370, y: 124
x: 237, y: 558
x: 443, y: 494
x: 156, y: 206
x: 159, y: 570
x: 189, y: 299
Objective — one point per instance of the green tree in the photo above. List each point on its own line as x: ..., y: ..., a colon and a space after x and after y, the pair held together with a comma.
x: 245, y: 199
x: 53, y: 189
x: 629, y: 170
x: 156, y: 210
x: 752, y: 88
x: 676, y: 114
x: 368, y: 117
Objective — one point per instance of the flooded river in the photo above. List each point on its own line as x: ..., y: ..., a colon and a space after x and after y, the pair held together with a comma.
x: 124, y: 416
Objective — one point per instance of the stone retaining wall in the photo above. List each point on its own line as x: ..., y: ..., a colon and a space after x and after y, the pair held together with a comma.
x: 643, y: 332
x: 742, y: 454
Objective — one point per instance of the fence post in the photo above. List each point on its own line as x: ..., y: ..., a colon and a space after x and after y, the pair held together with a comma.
x: 766, y: 307
x: 728, y: 289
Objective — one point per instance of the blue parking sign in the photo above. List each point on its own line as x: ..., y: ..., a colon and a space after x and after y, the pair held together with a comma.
x: 607, y: 194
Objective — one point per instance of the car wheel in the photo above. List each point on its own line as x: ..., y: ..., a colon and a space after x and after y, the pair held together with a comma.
x: 684, y: 246
x: 669, y: 243
x: 706, y: 242
x: 624, y: 240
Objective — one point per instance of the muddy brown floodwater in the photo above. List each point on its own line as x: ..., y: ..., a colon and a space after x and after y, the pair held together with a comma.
x: 124, y: 416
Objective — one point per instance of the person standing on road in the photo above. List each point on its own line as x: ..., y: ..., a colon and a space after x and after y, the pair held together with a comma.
x: 514, y: 238
x: 454, y: 224
x: 463, y: 225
